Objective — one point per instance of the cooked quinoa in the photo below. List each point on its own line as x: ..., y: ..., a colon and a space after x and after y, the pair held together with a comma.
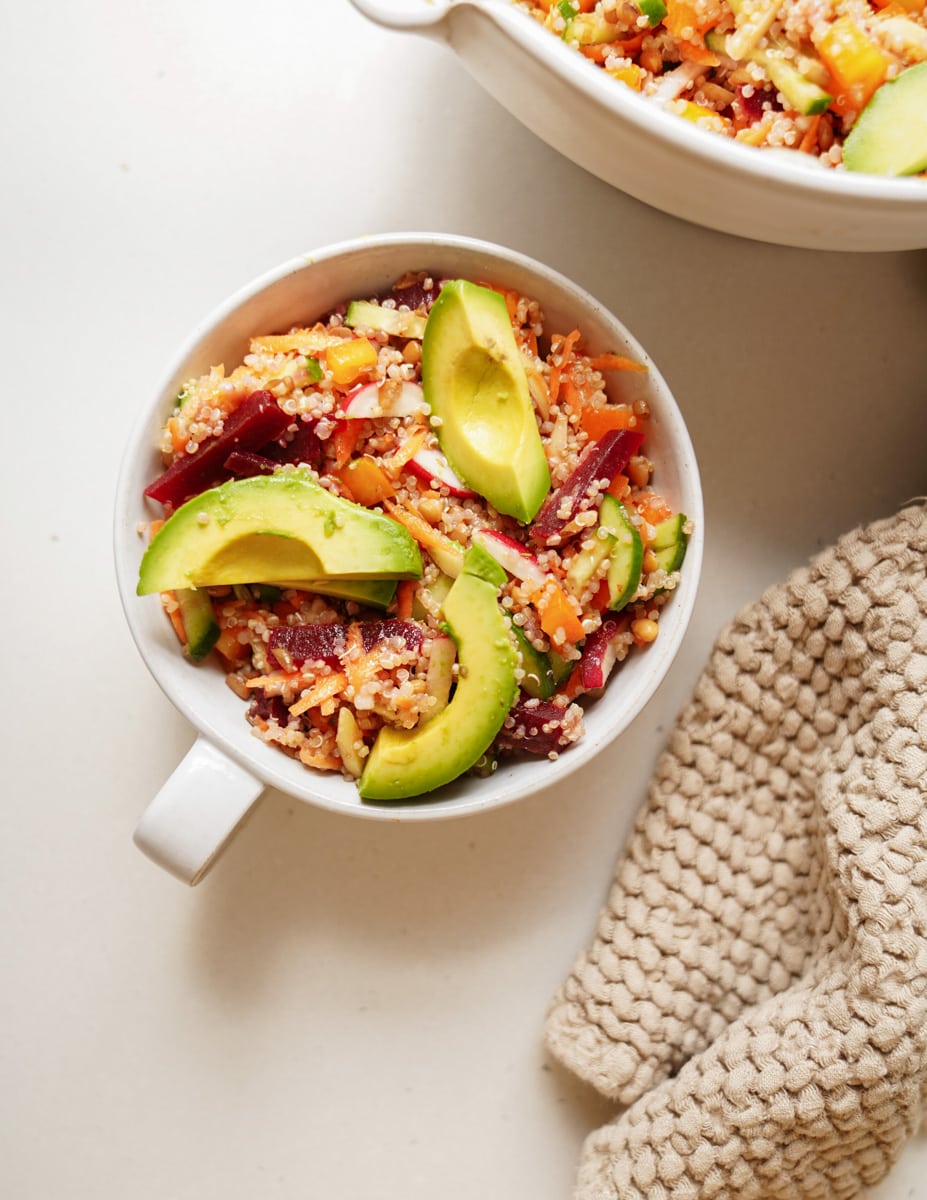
x: 788, y: 74
x: 321, y: 676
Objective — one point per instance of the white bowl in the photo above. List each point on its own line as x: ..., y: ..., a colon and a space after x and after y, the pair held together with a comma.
x: 770, y: 195
x: 228, y: 766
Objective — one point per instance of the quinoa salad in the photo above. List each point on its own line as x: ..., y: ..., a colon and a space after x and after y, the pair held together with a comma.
x: 334, y: 656
x: 843, y: 81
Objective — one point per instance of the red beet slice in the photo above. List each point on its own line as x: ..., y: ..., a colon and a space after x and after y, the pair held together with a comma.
x: 257, y: 420
x: 305, y: 447
x: 245, y: 463
x: 536, y: 726
x: 374, y: 632
x: 600, y: 462
x: 322, y: 642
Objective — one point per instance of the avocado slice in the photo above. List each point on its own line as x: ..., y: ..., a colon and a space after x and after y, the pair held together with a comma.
x: 405, y: 763
x: 274, y: 527
x: 890, y: 134
x: 475, y: 384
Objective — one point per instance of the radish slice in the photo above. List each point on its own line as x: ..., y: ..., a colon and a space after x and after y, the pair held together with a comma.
x: 431, y: 465
x: 512, y: 556
x: 369, y: 401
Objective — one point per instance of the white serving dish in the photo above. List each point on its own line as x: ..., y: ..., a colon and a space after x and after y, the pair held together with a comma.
x: 773, y: 196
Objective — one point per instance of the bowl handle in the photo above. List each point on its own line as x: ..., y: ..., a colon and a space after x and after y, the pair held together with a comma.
x: 190, y: 821
x: 404, y: 14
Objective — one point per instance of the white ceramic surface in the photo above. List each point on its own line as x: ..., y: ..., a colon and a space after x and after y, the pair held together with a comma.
x: 769, y: 195
x: 189, y: 821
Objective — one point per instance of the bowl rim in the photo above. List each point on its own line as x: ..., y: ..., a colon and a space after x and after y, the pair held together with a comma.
x: 765, y: 165
x: 263, y: 761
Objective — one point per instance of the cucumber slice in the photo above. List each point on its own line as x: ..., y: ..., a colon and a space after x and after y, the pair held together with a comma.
x: 802, y: 93
x: 585, y: 564
x: 393, y: 321
x: 199, y: 621
x: 669, y: 544
x: 890, y: 135
x: 538, y: 680
x: 624, y: 569
x: 561, y: 668
x: 590, y: 29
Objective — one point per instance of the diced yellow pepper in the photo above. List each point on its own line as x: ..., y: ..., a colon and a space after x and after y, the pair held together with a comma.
x: 350, y: 359
x: 856, y: 64
x: 630, y: 74
x: 697, y: 113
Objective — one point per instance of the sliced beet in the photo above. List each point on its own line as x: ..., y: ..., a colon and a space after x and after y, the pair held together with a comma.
x: 246, y: 463
x: 268, y: 708
x: 374, y: 632
x: 599, y: 463
x: 305, y: 447
x: 257, y: 420
x: 415, y: 295
x: 324, y: 641
x: 537, y: 727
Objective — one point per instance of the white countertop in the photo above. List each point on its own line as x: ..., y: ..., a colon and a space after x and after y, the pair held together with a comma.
x: 346, y: 1009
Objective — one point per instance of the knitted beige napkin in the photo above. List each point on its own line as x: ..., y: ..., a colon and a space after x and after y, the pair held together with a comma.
x: 756, y: 988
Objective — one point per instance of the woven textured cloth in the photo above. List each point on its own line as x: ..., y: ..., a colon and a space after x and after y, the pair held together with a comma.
x: 755, y: 991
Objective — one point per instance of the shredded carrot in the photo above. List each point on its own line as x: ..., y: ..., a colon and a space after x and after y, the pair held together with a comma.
x: 559, y: 618
x: 565, y: 354
x: 697, y: 53
x: 176, y: 619
x: 809, y: 141
x: 155, y: 527
x: 574, y: 684
x: 409, y: 448
x: 178, y: 440
x: 615, y: 362
x: 572, y: 401
x: 601, y: 598
x: 299, y: 341
x: 425, y: 534
x: 319, y: 759
x: 344, y: 439
x: 324, y: 689
x: 405, y: 594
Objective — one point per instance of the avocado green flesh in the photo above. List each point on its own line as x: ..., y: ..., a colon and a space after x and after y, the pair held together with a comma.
x: 475, y: 383
x: 890, y: 134
x: 404, y: 764
x: 273, y: 527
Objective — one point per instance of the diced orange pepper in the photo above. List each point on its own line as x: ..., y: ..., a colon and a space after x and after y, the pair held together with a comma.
x: 178, y: 441
x: 559, y: 619
x: 230, y: 648
x: 619, y: 487
x: 367, y: 482
x: 856, y: 64
x: 405, y: 594
x: 653, y: 508
x: 615, y: 362
x: 351, y: 359
x: 596, y: 422
x: 155, y: 527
